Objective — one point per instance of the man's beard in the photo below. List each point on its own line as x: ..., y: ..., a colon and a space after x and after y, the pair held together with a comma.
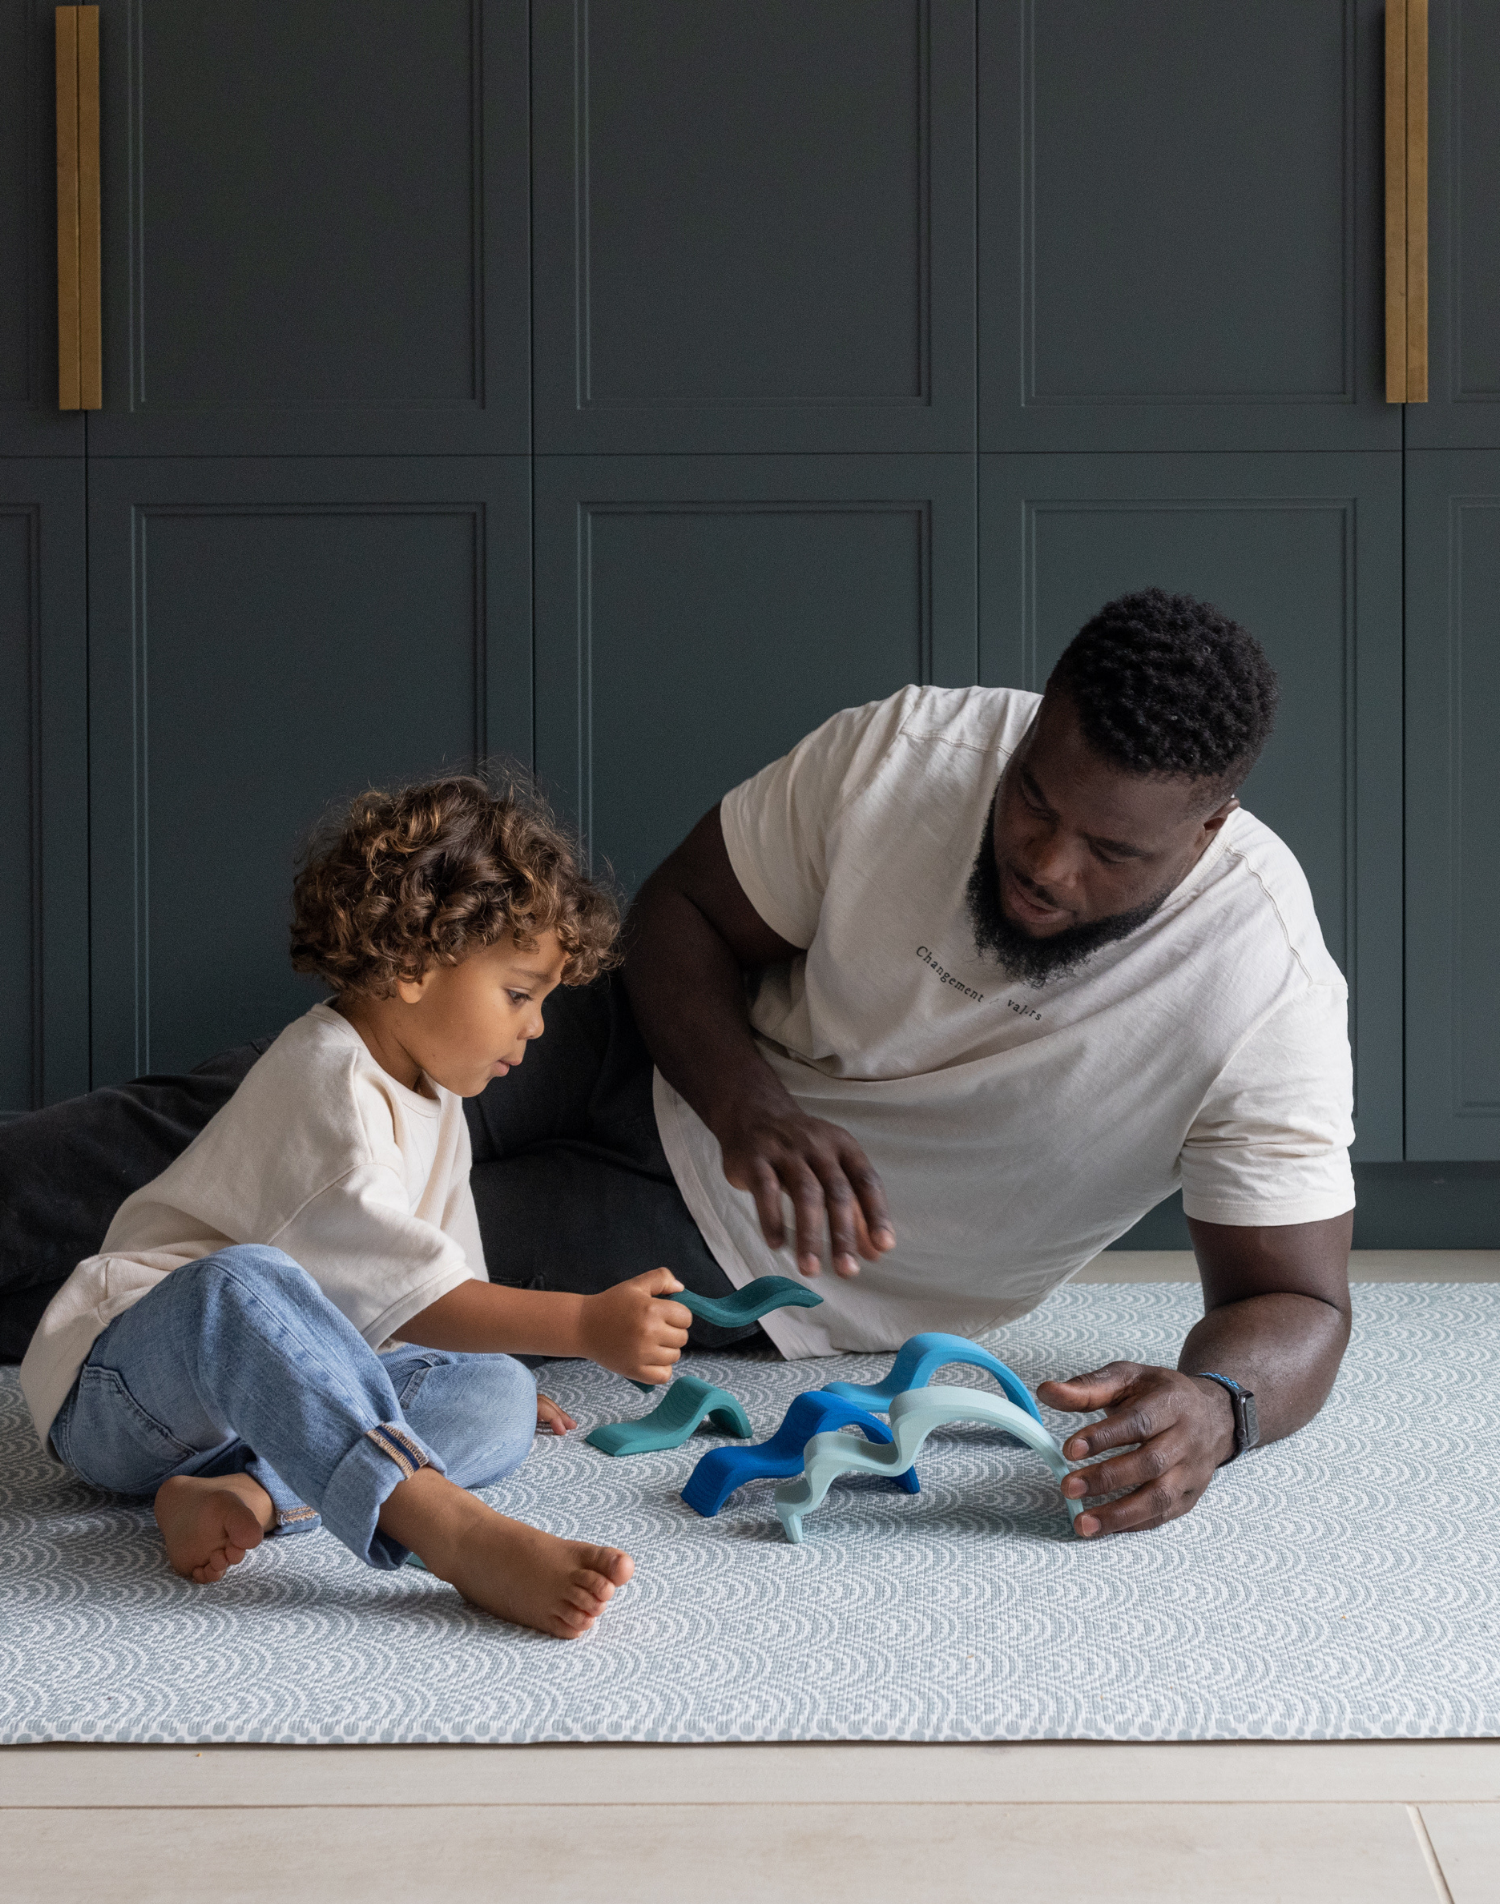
x: 1034, y: 961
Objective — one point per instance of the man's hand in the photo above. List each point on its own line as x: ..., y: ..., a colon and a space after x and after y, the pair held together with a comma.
x: 779, y: 1151
x: 628, y: 1329
x: 1178, y: 1429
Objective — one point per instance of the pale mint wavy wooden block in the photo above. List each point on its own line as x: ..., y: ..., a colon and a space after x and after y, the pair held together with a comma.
x: 913, y: 1417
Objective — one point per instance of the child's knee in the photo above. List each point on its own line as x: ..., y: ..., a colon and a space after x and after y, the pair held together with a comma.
x: 507, y: 1421
x: 245, y: 1274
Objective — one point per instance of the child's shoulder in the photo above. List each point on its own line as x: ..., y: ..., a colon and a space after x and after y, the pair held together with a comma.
x: 319, y: 1080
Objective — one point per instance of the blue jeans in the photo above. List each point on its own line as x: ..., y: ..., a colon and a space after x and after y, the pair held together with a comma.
x: 239, y: 1364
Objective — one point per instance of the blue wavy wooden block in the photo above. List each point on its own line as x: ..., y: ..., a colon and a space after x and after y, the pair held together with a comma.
x: 723, y: 1470
x: 686, y: 1403
x: 914, y: 1415
x: 919, y: 1358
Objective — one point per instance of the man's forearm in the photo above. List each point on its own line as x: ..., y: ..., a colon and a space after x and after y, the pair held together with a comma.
x: 688, y: 994
x: 1285, y: 1348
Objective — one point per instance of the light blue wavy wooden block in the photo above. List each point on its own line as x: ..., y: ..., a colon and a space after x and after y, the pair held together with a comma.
x: 919, y: 1358
x: 913, y: 1416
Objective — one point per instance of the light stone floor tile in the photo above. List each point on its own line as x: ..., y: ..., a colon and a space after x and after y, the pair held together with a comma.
x: 744, y: 1854
x: 1466, y: 1841
x: 1365, y: 1266
x: 1398, y: 1772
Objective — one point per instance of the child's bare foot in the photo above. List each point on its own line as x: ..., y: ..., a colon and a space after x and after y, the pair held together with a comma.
x: 557, y: 1586
x: 210, y: 1525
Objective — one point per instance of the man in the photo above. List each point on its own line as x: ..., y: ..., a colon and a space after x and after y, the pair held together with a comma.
x: 970, y: 980
x: 976, y: 1068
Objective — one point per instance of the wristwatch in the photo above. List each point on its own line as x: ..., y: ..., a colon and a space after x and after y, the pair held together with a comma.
x: 1246, y: 1421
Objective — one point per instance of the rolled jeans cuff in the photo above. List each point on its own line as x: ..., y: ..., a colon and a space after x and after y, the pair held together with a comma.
x: 374, y: 1467
x: 293, y: 1515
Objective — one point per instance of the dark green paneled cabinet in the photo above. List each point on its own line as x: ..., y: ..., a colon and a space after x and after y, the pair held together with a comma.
x: 30, y: 422
x: 44, y: 1027
x: 315, y: 227
x: 1464, y: 208
x: 1453, y: 798
x: 269, y: 636
x: 696, y: 616
x: 754, y: 225
x: 1180, y: 225
x: 790, y: 350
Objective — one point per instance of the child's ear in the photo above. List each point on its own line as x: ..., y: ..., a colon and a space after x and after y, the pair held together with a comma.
x: 410, y: 990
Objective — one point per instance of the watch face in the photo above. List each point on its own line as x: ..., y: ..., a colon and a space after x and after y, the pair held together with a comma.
x: 1249, y: 1419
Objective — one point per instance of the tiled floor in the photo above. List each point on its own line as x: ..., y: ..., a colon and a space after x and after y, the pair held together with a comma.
x: 1148, y: 1824
x: 1137, y: 1824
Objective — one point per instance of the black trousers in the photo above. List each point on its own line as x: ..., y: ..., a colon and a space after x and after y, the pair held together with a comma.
x: 571, y: 1183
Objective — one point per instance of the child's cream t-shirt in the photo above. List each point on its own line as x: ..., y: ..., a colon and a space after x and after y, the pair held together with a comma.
x: 319, y: 1153
x: 1018, y: 1130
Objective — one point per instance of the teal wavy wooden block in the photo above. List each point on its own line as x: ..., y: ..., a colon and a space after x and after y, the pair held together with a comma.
x: 749, y: 1304
x: 745, y: 1306
x: 686, y: 1403
x: 913, y: 1417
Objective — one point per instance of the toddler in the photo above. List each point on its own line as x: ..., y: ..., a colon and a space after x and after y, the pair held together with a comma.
x: 292, y: 1323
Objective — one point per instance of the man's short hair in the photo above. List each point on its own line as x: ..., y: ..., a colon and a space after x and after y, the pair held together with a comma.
x: 1164, y: 684
x: 429, y: 874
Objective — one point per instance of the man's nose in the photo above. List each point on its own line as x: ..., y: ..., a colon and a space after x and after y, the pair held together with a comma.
x: 1053, y: 862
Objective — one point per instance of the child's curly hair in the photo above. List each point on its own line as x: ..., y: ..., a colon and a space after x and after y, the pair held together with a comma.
x: 428, y: 874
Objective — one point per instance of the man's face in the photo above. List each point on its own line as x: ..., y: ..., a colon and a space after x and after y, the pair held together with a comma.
x: 1080, y: 852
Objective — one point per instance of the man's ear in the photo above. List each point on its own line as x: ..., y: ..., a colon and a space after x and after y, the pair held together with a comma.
x: 1220, y: 814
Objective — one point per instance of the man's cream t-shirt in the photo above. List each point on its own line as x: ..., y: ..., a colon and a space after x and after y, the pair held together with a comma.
x: 1018, y: 1129
x: 321, y: 1154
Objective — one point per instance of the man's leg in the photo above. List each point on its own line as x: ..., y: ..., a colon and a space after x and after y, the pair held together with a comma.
x: 573, y: 1188
x: 65, y: 1171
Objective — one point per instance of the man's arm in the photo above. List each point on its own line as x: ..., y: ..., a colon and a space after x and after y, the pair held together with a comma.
x: 692, y: 936
x: 1276, y: 1320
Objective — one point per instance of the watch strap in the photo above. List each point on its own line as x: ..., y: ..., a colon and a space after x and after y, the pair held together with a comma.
x: 1242, y: 1401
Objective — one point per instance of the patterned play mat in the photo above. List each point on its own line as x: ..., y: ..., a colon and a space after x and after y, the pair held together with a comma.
x: 1342, y: 1585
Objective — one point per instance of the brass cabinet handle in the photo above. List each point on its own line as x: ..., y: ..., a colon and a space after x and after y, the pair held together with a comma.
x: 80, y: 370
x: 1406, y: 201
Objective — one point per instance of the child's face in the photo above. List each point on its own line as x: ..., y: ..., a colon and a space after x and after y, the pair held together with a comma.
x: 467, y: 1024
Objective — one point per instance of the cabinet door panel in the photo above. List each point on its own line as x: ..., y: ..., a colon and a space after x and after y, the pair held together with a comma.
x: 1305, y: 551
x: 1453, y: 797
x: 30, y: 422
x: 697, y: 616
x: 315, y: 227
x: 267, y: 638
x: 1180, y: 237
x: 43, y: 782
x: 1464, y: 232
x: 754, y: 225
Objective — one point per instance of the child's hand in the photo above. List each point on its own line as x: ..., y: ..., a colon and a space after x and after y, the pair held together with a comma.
x: 551, y: 1417
x: 628, y: 1330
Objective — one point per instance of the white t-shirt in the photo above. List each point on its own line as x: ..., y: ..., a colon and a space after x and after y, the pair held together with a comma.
x: 321, y: 1154
x: 1018, y: 1130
